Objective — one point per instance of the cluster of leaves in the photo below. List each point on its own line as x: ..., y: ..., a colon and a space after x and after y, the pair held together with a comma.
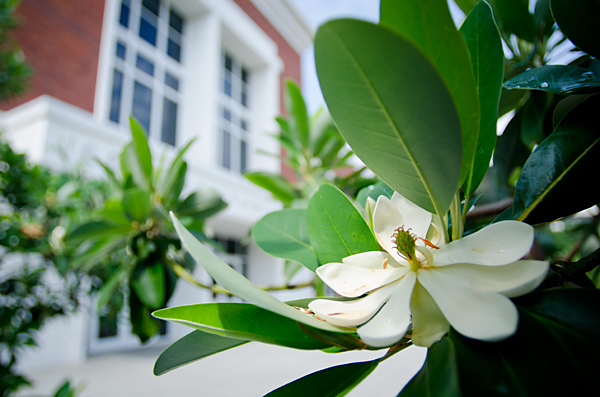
x: 314, y: 150
x: 130, y: 242
x: 14, y: 72
x: 36, y: 209
x: 418, y: 101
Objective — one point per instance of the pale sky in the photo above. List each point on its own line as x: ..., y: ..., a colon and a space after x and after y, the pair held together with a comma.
x: 316, y: 12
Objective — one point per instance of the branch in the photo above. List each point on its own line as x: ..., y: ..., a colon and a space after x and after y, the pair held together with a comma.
x: 215, y: 289
x: 491, y: 209
x: 563, y: 272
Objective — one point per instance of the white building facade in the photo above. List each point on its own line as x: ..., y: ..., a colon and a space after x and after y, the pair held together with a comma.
x: 210, y: 70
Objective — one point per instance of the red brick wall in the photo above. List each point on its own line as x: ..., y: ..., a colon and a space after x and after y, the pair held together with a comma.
x: 291, y: 59
x: 291, y: 62
x: 61, y: 42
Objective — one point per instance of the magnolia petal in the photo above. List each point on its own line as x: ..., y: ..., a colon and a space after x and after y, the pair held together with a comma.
x: 515, y: 279
x: 495, y: 245
x: 435, y: 234
x: 429, y: 323
x: 474, y: 312
x: 393, y: 320
x: 373, y: 260
x: 351, y: 313
x: 369, y: 210
x: 386, y: 219
x: 351, y: 281
x: 414, y: 216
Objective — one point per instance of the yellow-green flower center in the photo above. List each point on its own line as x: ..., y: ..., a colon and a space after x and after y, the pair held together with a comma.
x: 405, y: 243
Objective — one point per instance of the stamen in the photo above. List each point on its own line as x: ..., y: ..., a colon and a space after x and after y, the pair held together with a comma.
x: 385, y: 262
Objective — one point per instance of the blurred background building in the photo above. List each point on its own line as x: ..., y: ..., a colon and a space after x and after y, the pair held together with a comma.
x: 206, y: 69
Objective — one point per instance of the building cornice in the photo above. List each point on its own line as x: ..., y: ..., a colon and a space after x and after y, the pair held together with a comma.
x: 288, y: 20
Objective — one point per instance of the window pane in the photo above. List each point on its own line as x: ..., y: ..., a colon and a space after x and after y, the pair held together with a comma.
x: 244, y: 125
x: 152, y: 5
x: 108, y: 326
x: 244, y: 95
x: 226, y: 159
x: 243, y: 157
x: 244, y: 75
x: 148, y: 31
x: 176, y: 22
x: 121, y: 50
x: 227, y: 83
x: 174, y: 50
x: 145, y: 65
x: 115, y: 101
x: 172, y: 81
x: 124, y: 17
x: 142, y: 103
x: 169, y: 124
x: 226, y: 114
x: 228, y: 63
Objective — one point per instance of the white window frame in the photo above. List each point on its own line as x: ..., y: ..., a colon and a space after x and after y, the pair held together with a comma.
x: 163, y: 63
x: 238, y: 113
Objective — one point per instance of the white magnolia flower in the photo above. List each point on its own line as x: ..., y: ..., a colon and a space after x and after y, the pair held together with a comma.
x: 466, y: 283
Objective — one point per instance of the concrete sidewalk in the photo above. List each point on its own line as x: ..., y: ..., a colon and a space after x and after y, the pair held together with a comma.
x: 250, y: 370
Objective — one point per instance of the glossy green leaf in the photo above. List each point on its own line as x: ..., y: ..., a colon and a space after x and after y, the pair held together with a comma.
x: 429, y: 25
x: 142, y: 323
x: 148, y: 282
x: 298, y: 121
x: 558, y: 335
x: 466, y: 5
x: 578, y: 20
x: 194, y: 346
x: 511, y: 100
x: 171, y: 182
x: 510, y: 153
x: 390, y: 104
x: 141, y: 161
x: 137, y: 204
x: 241, y: 321
x: 374, y: 191
x: 330, y: 382
x: 515, y: 18
x: 109, y: 287
x: 322, y: 129
x: 561, y: 165
x: 543, y: 17
x: 280, y: 187
x: 233, y: 281
x: 284, y: 234
x: 98, y: 252
x: 96, y: 229
x: 533, y: 114
x: 201, y: 204
x: 336, y: 228
x: 439, y: 374
x: 487, y: 58
x: 558, y: 79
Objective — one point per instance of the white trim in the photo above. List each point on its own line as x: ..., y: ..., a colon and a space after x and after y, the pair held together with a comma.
x: 288, y: 21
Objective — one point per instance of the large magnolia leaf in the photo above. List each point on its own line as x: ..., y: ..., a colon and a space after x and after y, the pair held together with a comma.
x: 439, y: 374
x: 233, y: 281
x: 561, y: 164
x: 280, y: 187
x: 393, y: 108
x: 558, y: 336
x: 298, y: 121
x: 487, y: 58
x: 578, y: 19
x: 191, y: 348
x: 559, y: 79
x: 284, y: 234
x: 428, y: 24
x: 516, y: 18
x: 330, y: 382
x: 241, y: 321
x: 148, y: 282
x: 336, y: 228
